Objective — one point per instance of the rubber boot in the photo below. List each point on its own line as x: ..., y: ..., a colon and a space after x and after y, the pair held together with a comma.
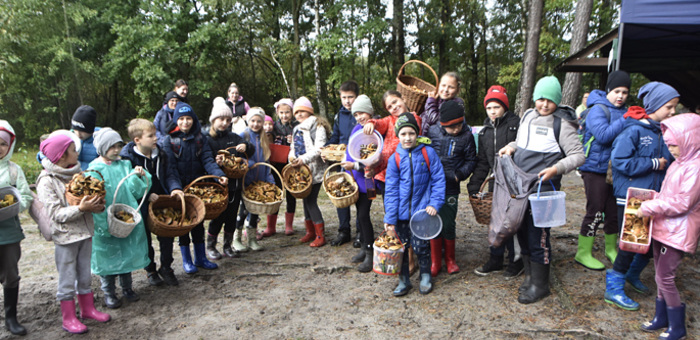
x: 660, y: 319
x: 253, y: 242
x: 450, y: 257
x: 676, y: 323
x: 70, y: 322
x: 360, y: 257
x: 404, y: 281
x: 426, y: 284
x: 584, y: 256
x: 87, y: 308
x: 367, y: 264
x: 187, y: 264
x: 228, y: 239
x: 539, y: 284
x: 320, y: 236
x: 611, y: 247
x: 310, y: 232
x: 11, y: 323
x: 435, y: 256
x: 200, y: 260
x: 638, y: 264
x: 615, y: 291
x: 237, y: 244
x: 212, y: 253
x: 527, y: 274
x: 271, y: 226
x: 288, y: 224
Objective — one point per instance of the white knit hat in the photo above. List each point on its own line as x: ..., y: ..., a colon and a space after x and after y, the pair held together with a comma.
x: 255, y: 111
x: 220, y: 109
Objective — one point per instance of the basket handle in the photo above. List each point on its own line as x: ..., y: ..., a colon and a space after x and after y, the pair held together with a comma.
x: 284, y: 170
x: 244, y: 154
x: 422, y: 63
x: 539, y: 186
x: 489, y: 179
x: 199, y: 179
x: 94, y: 170
x: 284, y: 190
x: 182, y: 218
x: 145, y: 193
x: 325, y: 174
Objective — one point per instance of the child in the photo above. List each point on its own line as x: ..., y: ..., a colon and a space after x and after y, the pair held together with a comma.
x: 308, y: 139
x: 604, y: 122
x: 676, y: 221
x: 189, y: 151
x: 10, y: 230
x: 415, y: 180
x: 220, y: 137
x: 446, y: 91
x: 144, y: 151
x: 164, y: 117
x: 83, y: 125
x: 362, y: 111
x: 344, y: 122
x: 282, y: 133
x: 639, y: 159
x: 182, y: 89
x: 72, y: 231
x: 113, y: 256
x: 239, y: 108
x: 268, y: 127
x: 500, y: 128
x: 547, y: 144
x: 454, y: 143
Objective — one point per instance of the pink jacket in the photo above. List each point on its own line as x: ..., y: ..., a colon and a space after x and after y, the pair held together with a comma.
x: 676, y: 209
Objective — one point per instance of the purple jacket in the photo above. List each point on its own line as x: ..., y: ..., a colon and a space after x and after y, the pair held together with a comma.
x: 431, y: 115
x: 359, y: 176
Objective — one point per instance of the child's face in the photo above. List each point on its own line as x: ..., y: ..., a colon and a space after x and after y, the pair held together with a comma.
x: 545, y: 106
x: 666, y: 111
x: 185, y: 123
x: 347, y: 98
x: 268, y: 126
x: 182, y: 91
x: 82, y: 134
x: 255, y: 124
x: 172, y: 103
x: 407, y: 137
x: 113, y: 152
x: 454, y: 129
x: 4, y: 148
x: 675, y: 151
x: 362, y: 118
x: 618, y: 96
x: 233, y: 93
x: 285, y: 113
x: 448, y: 87
x: 69, y: 158
x: 301, y: 115
x: 147, y: 140
x: 494, y: 110
x: 395, y: 105
x: 222, y: 123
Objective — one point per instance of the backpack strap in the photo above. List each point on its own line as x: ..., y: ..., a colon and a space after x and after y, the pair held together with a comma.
x: 14, y: 173
x: 425, y: 155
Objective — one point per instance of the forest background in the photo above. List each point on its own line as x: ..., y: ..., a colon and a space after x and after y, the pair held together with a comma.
x: 121, y: 57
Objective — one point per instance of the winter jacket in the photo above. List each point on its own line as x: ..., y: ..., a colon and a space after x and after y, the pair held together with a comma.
x: 431, y: 115
x: 492, y: 138
x: 191, y: 154
x: 605, y: 131
x: 536, y: 146
x: 280, y: 132
x: 12, y: 175
x: 676, y: 209
x: 113, y: 255
x: 163, y: 173
x: 312, y: 137
x: 413, y: 185
x: 226, y: 139
x: 68, y: 223
x: 385, y: 127
x: 240, y: 108
x: 343, y: 124
x: 88, y: 153
x: 163, y: 121
x: 635, y: 156
x: 457, y: 155
x: 261, y: 172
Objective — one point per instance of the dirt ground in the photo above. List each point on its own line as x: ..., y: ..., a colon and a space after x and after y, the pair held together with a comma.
x: 292, y: 291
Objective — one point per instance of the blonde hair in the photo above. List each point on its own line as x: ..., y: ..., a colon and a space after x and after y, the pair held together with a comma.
x: 138, y: 126
x: 323, y: 122
x: 264, y: 141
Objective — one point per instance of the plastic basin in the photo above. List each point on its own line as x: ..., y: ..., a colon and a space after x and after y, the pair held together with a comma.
x: 360, y: 138
x: 424, y: 226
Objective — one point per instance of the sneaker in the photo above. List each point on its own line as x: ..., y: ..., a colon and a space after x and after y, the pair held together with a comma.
x: 514, y: 270
x: 112, y: 301
x: 494, y: 265
x: 130, y: 295
x: 168, y: 276
x: 154, y: 279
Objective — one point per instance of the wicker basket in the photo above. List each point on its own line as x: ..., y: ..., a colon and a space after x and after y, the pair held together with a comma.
x: 117, y: 227
x: 414, y: 99
x: 235, y: 173
x: 191, y: 206
x: 345, y: 201
x: 330, y: 154
x: 259, y: 208
x: 213, y: 209
x: 297, y: 194
x: 482, y: 204
x: 75, y: 200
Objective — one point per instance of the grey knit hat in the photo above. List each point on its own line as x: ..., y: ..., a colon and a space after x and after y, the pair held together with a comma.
x: 362, y: 104
x: 105, y: 138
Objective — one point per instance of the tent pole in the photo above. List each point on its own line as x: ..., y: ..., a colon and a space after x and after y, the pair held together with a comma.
x: 621, y: 32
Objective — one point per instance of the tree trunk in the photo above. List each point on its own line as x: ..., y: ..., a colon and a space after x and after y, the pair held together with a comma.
x: 472, y: 101
x: 579, y: 35
x: 320, y: 89
x: 529, y: 69
x: 294, y: 74
x: 397, y: 35
x: 442, y: 42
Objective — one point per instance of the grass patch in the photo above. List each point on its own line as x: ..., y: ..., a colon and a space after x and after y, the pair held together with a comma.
x: 25, y: 157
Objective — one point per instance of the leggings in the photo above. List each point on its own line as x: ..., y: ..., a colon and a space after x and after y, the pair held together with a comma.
x: 228, y: 218
x: 243, y: 214
x: 197, y: 236
x: 9, y: 269
x: 599, y: 201
x: 420, y: 247
x: 363, y: 206
x: 534, y: 241
x: 624, y: 258
x: 666, y: 261
x: 311, y: 210
x: 291, y: 200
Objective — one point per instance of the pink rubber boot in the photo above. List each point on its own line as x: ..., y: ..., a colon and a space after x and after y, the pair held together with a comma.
x: 70, y: 322
x: 87, y: 308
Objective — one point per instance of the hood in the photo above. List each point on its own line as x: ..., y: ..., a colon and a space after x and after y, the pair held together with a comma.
x: 645, y: 123
x: 5, y: 125
x: 600, y: 97
x: 63, y: 174
x: 684, y: 128
x: 499, y: 121
x: 566, y: 113
x: 130, y: 150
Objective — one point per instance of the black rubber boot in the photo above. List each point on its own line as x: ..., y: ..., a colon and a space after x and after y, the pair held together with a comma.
x: 168, y: 276
x: 11, y: 323
x: 358, y: 240
x: 212, y: 253
x: 228, y: 251
x: 527, y: 274
x: 154, y: 279
x: 359, y: 257
x: 366, y: 265
x: 539, y: 284
x: 342, y: 238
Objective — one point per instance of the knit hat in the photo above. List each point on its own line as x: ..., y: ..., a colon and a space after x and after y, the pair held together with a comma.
x: 255, y: 111
x: 84, y: 119
x: 404, y: 120
x: 303, y: 104
x: 183, y: 109
x: 220, y: 109
x: 284, y: 101
x: 55, y: 146
x: 655, y: 95
x: 548, y: 88
x: 362, y: 104
x: 451, y: 113
x: 171, y: 95
x: 105, y: 138
x: 497, y: 94
x: 618, y: 79
x: 268, y: 119
x: 6, y: 136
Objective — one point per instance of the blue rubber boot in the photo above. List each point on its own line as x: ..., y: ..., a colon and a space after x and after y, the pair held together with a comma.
x: 615, y: 291
x: 676, y: 323
x: 636, y: 267
x: 404, y: 280
x: 200, y: 257
x: 425, y: 285
x: 187, y: 260
x: 660, y: 319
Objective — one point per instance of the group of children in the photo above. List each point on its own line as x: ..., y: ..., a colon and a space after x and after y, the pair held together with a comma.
x: 424, y: 158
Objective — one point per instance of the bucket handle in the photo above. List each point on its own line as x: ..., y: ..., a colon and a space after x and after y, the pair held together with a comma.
x: 114, y: 200
x: 539, y: 186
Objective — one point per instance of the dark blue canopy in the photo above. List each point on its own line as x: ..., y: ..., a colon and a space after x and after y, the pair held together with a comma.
x: 663, y: 12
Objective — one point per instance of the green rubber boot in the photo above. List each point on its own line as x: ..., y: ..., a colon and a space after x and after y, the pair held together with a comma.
x: 584, y: 256
x: 611, y: 247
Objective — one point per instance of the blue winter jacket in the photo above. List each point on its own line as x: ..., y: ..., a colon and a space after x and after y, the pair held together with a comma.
x: 162, y: 172
x: 163, y: 117
x: 88, y: 153
x: 457, y: 154
x: 342, y: 127
x: 261, y: 172
x: 412, y: 186
x: 635, y: 154
x: 605, y: 132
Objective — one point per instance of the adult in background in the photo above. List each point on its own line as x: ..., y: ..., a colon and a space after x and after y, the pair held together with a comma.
x: 583, y: 105
x: 239, y: 107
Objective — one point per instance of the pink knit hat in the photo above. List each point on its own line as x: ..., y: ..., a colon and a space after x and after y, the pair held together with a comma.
x: 303, y: 104
x: 55, y: 146
x: 284, y: 101
x: 268, y: 118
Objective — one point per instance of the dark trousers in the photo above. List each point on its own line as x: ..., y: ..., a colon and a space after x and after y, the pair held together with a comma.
x: 9, y: 268
x: 291, y: 200
x: 228, y: 218
x: 600, y: 201
x: 166, y: 247
x: 625, y: 258
x: 534, y: 241
x: 197, y: 236
x: 243, y: 214
x: 311, y: 209
x: 501, y: 250
x: 420, y: 247
x: 363, y: 206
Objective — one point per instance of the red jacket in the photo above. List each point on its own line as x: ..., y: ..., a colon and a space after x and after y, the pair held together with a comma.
x: 385, y: 127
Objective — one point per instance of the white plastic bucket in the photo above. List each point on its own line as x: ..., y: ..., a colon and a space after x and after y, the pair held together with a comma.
x: 548, y: 208
x: 360, y: 138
